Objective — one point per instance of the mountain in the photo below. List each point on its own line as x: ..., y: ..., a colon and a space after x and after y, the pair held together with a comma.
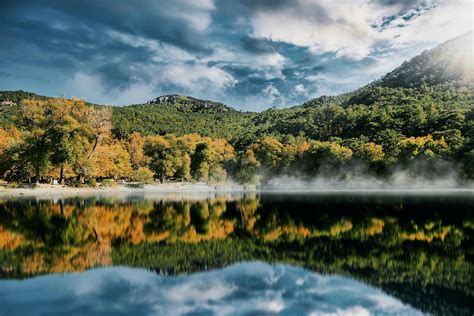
x: 447, y: 66
x: 442, y: 75
x: 452, y: 61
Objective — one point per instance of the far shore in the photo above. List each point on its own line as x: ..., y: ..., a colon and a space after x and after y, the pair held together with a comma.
x: 200, y: 189
x: 64, y: 190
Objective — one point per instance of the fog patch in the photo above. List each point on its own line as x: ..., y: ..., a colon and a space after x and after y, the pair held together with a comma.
x: 417, y: 177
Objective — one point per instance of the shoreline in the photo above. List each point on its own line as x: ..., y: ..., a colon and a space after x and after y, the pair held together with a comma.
x: 200, y: 189
x: 65, y: 191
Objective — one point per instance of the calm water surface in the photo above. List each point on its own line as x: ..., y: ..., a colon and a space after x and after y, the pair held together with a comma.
x: 245, y: 254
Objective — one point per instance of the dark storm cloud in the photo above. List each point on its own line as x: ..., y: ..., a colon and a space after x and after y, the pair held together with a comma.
x: 151, y: 19
x: 74, y: 35
x: 311, y: 9
x: 84, y: 23
x: 239, y: 71
x: 251, y: 86
x: 256, y: 45
x: 404, y: 4
x: 244, y: 8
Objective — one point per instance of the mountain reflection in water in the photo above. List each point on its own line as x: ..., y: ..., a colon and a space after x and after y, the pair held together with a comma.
x: 416, y: 248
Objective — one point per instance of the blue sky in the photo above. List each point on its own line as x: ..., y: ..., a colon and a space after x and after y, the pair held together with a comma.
x: 250, y: 54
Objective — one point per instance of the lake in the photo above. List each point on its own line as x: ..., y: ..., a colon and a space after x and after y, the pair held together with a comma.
x: 255, y: 253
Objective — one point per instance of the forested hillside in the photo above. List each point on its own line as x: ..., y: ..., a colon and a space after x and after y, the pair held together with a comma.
x: 17, y: 96
x: 421, y: 112
x: 452, y: 62
x: 178, y: 116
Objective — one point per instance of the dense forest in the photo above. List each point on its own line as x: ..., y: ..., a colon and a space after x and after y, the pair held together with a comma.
x: 421, y: 114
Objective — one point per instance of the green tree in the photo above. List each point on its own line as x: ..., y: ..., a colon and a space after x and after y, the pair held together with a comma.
x: 248, y: 167
x: 424, y: 147
x: 143, y: 175
x: 46, y: 126
x: 325, y: 157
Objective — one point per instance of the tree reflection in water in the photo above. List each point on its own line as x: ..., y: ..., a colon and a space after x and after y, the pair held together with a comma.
x: 417, y: 248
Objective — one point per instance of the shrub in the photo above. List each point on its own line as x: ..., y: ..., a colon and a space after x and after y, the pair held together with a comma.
x: 143, y: 175
x: 91, y: 183
x: 108, y: 183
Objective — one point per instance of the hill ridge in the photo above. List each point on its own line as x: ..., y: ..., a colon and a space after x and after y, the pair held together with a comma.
x: 451, y: 61
x: 192, y: 103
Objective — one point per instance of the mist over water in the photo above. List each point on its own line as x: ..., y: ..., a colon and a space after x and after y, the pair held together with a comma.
x: 403, y: 180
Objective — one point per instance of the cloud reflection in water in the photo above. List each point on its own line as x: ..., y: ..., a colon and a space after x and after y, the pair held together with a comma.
x: 253, y: 288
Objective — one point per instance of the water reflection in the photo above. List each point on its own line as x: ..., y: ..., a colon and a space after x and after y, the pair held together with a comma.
x: 241, y: 289
x: 416, y: 248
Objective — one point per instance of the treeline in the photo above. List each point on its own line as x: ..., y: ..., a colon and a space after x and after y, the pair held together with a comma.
x: 73, y: 142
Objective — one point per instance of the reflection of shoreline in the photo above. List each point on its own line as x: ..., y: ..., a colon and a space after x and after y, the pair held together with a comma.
x: 166, y: 188
x: 203, y: 190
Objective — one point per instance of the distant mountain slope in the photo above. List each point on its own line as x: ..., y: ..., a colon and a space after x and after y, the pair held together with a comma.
x: 452, y: 61
x: 190, y: 104
x: 16, y: 96
x: 447, y: 66
x: 181, y: 118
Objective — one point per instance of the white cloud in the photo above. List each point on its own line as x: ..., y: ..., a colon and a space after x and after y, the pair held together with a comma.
x: 271, y: 64
x: 300, y: 89
x: 92, y: 88
x: 196, y: 78
x: 272, y: 95
x: 446, y: 20
x: 199, y: 292
x: 351, y: 311
x: 220, y: 66
x: 224, y: 54
x: 346, y: 27
x: 163, y: 52
x: 343, y: 26
x: 196, y: 13
x: 273, y: 306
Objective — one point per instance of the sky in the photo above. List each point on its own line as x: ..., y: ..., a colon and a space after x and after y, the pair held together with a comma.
x: 250, y: 54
